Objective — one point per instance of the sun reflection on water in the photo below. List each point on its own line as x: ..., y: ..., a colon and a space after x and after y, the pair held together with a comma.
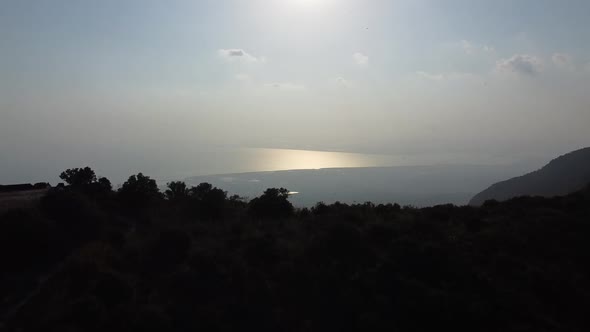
x: 278, y: 159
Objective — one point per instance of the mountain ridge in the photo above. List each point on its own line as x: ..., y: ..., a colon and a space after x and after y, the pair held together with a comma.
x: 563, y: 175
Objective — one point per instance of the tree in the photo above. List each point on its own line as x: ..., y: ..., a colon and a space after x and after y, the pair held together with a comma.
x: 177, y: 191
x: 139, y: 190
x: 274, y: 203
x: 78, y: 177
x: 209, y: 201
x: 104, y: 184
x: 84, y: 180
x: 199, y: 192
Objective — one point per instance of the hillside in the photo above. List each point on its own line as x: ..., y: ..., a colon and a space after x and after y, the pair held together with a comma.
x: 21, y: 196
x: 169, y: 265
x: 561, y: 176
x: 87, y: 258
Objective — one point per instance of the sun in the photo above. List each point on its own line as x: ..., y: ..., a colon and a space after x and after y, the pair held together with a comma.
x: 308, y: 3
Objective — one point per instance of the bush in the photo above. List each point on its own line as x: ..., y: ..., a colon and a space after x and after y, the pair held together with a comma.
x: 139, y: 191
x: 274, y: 203
x: 25, y: 240
x: 208, y: 201
x: 177, y: 191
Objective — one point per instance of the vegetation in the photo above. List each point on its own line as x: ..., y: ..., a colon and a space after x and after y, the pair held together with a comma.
x: 274, y: 203
x: 193, y: 259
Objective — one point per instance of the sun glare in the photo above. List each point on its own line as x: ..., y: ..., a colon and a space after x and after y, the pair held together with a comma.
x: 308, y: 3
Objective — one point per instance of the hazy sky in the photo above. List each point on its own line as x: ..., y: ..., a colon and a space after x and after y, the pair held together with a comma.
x: 122, y: 77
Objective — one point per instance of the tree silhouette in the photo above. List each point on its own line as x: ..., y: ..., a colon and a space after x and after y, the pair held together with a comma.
x: 104, y: 184
x: 177, y: 191
x: 274, y: 203
x: 78, y: 177
x: 139, y: 190
x: 84, y: 180
x: 200, y: 191
x: 208, y: 201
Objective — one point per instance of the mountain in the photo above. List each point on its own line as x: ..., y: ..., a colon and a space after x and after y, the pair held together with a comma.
x: 564, y: 175
x: 406, y: 185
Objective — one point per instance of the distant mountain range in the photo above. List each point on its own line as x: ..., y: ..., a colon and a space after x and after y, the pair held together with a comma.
x: 407, y: 185
x: 564, y: 175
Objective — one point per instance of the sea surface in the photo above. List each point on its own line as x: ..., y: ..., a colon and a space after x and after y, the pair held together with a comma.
x: 181, y: 162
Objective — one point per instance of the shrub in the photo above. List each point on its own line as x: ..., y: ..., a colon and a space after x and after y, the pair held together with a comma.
x: 274, y: 203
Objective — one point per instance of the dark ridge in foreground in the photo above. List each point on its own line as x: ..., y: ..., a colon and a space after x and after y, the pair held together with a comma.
x: 86, y: 258
x: 564, y: 175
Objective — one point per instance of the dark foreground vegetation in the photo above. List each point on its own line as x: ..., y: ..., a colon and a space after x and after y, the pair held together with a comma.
x: 87, y: 258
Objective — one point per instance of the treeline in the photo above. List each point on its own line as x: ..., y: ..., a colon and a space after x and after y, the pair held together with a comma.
x: 202, y: 201
x: 90, y: 258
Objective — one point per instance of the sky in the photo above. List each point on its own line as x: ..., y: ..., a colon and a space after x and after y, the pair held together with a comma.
x: 117, y: 78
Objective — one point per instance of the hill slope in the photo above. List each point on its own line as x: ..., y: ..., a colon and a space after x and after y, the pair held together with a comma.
x: 72, y: 264
x: 564, y: 175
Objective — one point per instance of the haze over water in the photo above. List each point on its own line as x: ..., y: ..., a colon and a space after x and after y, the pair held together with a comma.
x: 184, y: 88
x: 177, y: 163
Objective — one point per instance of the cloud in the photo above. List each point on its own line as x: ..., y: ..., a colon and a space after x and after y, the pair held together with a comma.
x: 430, y: 76
x: 242, y: 77
x: 237, y: 54
x: 522, y: 64
x: 360, y: 59
x: 467, y: 47
x: 563, y: 61
x: 343, y: 82
x: 488, y: 49
x: 470, y: 48
x: 287, y: 86
x: 445, y: 76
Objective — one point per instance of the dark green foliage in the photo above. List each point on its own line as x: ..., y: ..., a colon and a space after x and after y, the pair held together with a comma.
x: 72, y: 212
x: 274, y: 203
x: 207, y: 201
x: 24, y: 239
x: 199, y: 192
x: 78, y: 177
x: 207, y: 262
x: 104, y: 184
x: 84, y: 180
x: 169, y: 249
x: 177, y: 191
x: 139, y: 191
x: 112, y: 290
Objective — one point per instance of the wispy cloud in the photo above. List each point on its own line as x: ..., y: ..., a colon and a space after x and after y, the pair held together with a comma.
x: 563, y: 61
x: 243, y: 77
x: 522, y: 64
x: 489, y: 49
x: 361, y: 59
x: 471, y: 48
x: 238, y: 54
x: 342, y: 82
x: 445, y: 76
x: 467, y: 47
x: 430, y: 76
x: 286, y: 86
